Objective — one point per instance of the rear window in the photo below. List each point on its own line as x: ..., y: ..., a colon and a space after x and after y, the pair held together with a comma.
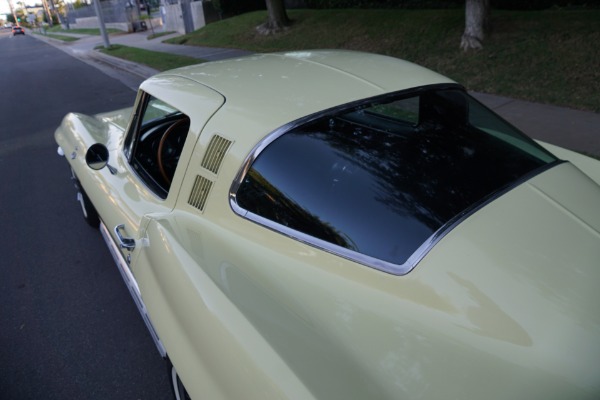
x: 381, y: 182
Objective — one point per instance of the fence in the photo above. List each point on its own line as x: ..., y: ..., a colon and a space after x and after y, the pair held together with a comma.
x: 118, y: 14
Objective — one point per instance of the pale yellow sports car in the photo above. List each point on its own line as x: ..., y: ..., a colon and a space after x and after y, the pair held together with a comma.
x: 340, y: 225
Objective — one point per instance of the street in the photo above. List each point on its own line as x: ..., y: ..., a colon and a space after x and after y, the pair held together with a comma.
x: 68, y: 326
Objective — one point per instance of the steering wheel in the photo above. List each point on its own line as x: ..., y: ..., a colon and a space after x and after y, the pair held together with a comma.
x: 162, y: 163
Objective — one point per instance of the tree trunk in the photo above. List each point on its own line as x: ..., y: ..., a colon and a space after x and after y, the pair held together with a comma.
x: 477, y: 16
x: 278, y: 19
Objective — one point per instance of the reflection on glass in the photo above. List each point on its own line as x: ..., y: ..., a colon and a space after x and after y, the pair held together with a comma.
x: 383, y: 178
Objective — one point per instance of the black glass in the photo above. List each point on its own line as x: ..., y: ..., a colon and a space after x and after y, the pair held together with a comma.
x: 382, y: 178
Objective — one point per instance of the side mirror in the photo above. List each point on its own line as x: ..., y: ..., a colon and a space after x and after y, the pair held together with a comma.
x: 97, y: 156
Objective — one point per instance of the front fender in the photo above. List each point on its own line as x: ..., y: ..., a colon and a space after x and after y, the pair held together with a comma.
x: 78, y: 132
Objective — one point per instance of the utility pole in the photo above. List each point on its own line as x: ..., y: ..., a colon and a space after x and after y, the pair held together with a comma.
x: 186, y: 14
x: 101, y: 23
x: 12, y: 11
x: 47, y: 9
x: 55, y: 12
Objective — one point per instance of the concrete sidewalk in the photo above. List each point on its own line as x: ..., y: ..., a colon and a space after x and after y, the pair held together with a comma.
x: 141, y: 41
x: 572, y: 129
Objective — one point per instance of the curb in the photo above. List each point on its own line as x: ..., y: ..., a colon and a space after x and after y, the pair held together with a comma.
x: 140, y: 70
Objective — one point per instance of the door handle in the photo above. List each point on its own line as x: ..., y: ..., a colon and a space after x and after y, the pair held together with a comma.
x: 124, y: 242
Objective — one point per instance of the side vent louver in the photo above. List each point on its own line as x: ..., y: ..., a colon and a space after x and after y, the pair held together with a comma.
x: 200, y: 192
x: 214, y: 153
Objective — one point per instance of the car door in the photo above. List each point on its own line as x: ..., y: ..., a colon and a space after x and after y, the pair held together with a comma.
x: 135, y: 183
x: 144, y: 173
x: 142, y: 178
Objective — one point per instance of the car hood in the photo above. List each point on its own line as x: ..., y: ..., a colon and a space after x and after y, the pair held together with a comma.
x: 119, y: 118
x: 520, y: 281
x: 77, y: 132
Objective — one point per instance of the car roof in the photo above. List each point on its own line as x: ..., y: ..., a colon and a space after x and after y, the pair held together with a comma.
x: 277, y: 88
x: 381, y: 72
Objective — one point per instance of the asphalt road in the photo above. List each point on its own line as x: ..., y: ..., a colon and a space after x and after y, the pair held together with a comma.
x: 68, y: 326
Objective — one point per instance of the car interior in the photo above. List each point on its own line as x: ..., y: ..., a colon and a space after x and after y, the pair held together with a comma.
x: 157, y: 152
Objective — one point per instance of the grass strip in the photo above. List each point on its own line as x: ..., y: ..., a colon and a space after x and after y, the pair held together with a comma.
x: 62, y: 37
x: 550, y: 56
x: 159, y: 34
x: 154, y: 59
x: 83, y: 31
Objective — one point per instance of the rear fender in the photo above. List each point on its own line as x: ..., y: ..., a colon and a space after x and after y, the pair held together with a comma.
x: 206, y: 336
x: 588, y: 165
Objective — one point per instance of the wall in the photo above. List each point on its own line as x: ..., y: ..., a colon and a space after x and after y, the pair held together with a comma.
x: 92, y: 22
x: 173, y: 16
x: 173, y: 19
x: 197, y: 8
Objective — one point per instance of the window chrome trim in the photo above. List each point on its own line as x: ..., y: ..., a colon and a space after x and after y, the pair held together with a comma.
x: 376, y: 263
x: 368, y: 261
x: 132, y: 131
x: 133, y: 287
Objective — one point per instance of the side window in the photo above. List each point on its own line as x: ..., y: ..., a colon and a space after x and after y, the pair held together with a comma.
x: 155, y: 144
x: 403, y: 110
x: 491, y: 124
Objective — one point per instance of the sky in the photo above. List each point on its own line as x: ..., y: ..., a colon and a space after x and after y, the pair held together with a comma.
x: 4, y: 9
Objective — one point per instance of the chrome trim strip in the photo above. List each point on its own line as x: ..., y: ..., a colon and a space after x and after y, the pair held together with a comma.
x: 372, y: 262
x: 133, y: 287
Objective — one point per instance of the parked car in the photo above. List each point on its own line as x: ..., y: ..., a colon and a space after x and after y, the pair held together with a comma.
x: 342, y: 225
x: 17, y: 30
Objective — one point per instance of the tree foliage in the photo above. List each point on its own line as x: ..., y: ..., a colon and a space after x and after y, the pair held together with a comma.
x: 415, y: 4
x: 230, y: 8
x: 79, y: 4
x: 438, y: 4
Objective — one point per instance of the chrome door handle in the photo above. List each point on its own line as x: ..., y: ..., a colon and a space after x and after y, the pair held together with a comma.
x: 124, y: 242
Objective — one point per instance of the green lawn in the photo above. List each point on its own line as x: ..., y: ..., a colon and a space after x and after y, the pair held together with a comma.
x: 83, y: 31
x: 550, y: 56
x: 159, y: 34
x: 154, y: 59
x: 61, y: 37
